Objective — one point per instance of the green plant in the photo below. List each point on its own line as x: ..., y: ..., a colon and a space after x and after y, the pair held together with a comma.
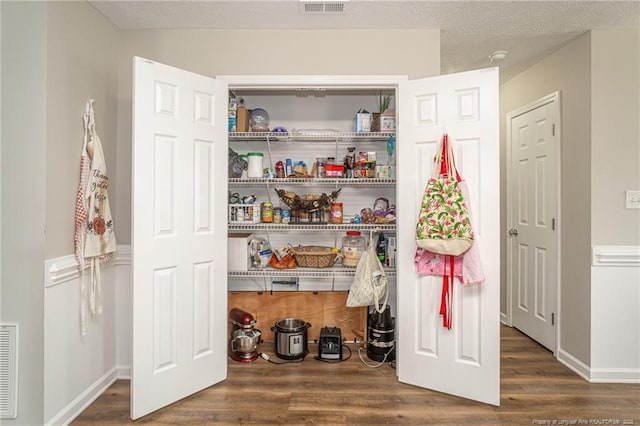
x: 383, y: 102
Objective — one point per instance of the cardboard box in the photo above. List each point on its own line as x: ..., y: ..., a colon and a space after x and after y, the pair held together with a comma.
x: 388, y: 122
x: 242, y: 119
x: 238, y: 252
x: 362, y: 121
x: 233, y: 110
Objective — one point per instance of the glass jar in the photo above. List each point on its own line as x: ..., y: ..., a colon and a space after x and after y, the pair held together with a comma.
x: 353, y: 245
x: 266, y: 213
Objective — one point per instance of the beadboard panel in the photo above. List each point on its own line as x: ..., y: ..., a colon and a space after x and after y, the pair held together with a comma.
x: 78, y: 368
x: 615, y: 314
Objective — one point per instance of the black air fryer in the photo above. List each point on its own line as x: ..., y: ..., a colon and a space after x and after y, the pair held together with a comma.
x: 381, y: 335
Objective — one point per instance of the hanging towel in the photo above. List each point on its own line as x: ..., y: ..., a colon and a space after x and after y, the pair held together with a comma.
x: 472, y: 272
x: 81, y: 219
x: 92, y: 210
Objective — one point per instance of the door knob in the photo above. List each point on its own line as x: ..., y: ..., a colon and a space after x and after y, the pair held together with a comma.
x: 513, y: 232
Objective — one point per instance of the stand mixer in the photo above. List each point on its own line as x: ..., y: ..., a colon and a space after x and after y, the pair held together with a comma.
x: 244, y: 337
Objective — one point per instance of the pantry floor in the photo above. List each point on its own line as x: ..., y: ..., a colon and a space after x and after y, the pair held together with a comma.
x: 535, y: 388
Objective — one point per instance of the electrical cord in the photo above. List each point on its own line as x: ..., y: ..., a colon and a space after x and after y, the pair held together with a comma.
x: 384, y: 360
x: 266, y: 357
x: 334, y: 361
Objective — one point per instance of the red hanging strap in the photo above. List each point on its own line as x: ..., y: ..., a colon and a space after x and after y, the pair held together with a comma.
x: 444, y: 164
x: 448, y: 277
x: 447, y: 295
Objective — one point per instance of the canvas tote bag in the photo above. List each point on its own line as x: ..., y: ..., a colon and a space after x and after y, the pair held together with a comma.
x: 370, y: 285
x: 444, y: 223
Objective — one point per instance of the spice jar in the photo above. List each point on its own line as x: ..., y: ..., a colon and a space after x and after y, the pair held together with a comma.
x: 353, y: 245
x: 336, y: 213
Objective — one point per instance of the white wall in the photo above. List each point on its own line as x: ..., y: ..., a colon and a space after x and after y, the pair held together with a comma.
x: 82, y: 54
x: 23, y: 194
x: 55, y: 55
x: 615, y: 135
x: 568, y: 71
x: 615, y: 230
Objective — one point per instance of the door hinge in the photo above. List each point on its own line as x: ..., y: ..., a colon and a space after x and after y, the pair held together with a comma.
x: 553, y: 223
x: 553, y: 130
x: 553, y: 318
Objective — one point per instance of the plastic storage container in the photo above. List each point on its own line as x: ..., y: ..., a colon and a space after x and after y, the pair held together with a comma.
x: 255, y: 169
x: 353, y: 245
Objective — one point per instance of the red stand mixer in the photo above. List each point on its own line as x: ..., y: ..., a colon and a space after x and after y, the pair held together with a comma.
x: 244, y: 337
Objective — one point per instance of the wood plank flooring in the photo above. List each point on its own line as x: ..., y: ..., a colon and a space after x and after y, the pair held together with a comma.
x: 535, y: 389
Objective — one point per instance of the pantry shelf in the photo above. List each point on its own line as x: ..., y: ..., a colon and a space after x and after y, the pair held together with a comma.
x: 368, y: 182
x: 334, y: 272
x: 307, y: 136
x: 308, y: 227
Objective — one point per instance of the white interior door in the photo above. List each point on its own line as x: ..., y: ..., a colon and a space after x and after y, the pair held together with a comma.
x: 532, y: 205
x: 463, y: 361
x: 179, y: 259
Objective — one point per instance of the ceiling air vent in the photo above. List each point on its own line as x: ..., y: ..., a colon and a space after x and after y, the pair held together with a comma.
x: 322, y: 6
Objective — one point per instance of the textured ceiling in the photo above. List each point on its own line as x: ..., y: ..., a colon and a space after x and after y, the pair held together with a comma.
x: 470, y: 30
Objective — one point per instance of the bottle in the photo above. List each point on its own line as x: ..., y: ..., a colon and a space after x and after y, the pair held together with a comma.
x: 288, y: 167
x: 353, y: 245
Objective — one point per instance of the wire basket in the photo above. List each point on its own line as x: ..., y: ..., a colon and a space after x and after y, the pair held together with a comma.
x: 314, y: 256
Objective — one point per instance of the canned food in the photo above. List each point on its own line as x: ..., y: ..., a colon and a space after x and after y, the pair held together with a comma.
x: 336, y: 213
x: 286, y: 216
x: 277, y: 215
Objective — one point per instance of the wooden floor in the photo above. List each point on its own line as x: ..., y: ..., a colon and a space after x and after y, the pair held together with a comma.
x: 535, y: 389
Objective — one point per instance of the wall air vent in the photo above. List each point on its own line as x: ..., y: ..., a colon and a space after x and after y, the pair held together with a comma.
x: 316, y: 7
x: 8, y: 371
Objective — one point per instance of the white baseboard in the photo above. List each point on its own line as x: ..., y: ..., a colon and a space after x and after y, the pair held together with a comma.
x: 123, y: 372
x: 574, y: 364
x: 599, y: 375
x: 503, y: 319
x: 615, y: 375
x: 78, y: 405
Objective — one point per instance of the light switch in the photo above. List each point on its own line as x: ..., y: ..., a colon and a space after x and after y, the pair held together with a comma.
x: 633, y: 199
